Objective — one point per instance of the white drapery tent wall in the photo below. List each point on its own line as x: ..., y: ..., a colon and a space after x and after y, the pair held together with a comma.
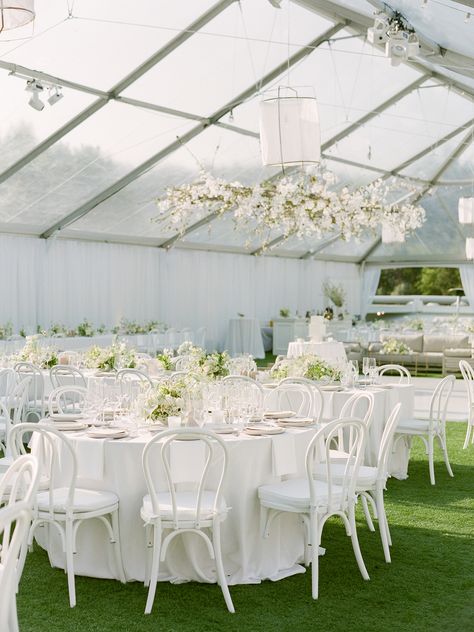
x: 467, y: 280
x: 63, y: 281
x: 369, y: 285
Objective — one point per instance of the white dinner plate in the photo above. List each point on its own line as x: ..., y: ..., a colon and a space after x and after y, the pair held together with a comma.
x: 108, y: 433
x: 154, y: 427
x: 66, y: 417
x: 295, y: 422
x: 260, y: 430
x: 70, y: 426
x: 331, y: 387
x: 223, y: 429
x: 279, y: 414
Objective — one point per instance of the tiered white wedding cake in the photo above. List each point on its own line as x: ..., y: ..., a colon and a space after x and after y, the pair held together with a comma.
x: 317, y: 329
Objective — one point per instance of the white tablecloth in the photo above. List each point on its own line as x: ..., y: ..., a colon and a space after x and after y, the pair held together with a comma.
x: 248, y: 558
x: 333, y: 352
x: 244, y: 336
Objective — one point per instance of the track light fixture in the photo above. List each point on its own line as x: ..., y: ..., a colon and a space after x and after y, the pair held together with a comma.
x: 401, y: 41
x: 37, y: 88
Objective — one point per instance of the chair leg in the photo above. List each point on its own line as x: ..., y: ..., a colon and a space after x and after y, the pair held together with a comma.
x: 155, y: 563
x: 70, y: 563
x: 116, y: 545
x: 444, y: 447
x: 216, y: 541
x: 468, y: 434
x: 431, y: 458
x: 315, y: 538
x: 149, y: 552
x: 355, y: 543
x: 367, y: 515
x: 383, y: 525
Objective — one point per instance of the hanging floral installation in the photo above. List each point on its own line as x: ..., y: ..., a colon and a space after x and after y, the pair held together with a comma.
x: 302, y: 204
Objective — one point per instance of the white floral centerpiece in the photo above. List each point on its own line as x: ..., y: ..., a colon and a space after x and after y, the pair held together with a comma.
x: 393, y: 346
x: 163, y: 400
x: 213, y: 365
x: 117, y: 356
x: 6, y: 331
x: 37, y: 354
x: 309, y: 366
x: 302, y: 204
x: 85, y: 329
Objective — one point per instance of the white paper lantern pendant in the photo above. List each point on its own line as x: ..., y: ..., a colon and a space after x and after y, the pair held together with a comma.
x: 289, y: 129
x: 16, y: 13
x: 466, y: 210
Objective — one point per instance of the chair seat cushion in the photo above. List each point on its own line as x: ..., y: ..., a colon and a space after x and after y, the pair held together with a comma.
x: 84, y: 500
x: 293, y: 494
x: 186, y: 506
x: 413, y: 426
x: 366, y: 477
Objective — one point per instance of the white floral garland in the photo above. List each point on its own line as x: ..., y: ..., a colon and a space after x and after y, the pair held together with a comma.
x: 302, y: 205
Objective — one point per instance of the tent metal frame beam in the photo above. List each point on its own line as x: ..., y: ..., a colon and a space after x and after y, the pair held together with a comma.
x: 211, y: 120
x: 318, y: 249
x: 462, y: 146
x: 105, y: 97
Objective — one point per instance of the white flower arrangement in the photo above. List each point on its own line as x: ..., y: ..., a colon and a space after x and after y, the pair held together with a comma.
x: 394, y: 346
x: 309, y: 366
x: 117, y: 356
x: 33, y: 352
x: 301, y: 204
x: 163, y: 400
x: 6, y: 331
x: 334, y: 293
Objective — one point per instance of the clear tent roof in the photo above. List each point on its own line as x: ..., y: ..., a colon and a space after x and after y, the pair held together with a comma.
x: 155, y: 90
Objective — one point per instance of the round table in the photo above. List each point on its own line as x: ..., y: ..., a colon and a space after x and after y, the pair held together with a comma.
x: 248, y: 558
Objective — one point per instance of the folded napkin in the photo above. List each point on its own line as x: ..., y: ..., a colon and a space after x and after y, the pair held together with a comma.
x: 283, y: 454
x: 90, y: 457
x: 328, y: 405
x: 187, y: 460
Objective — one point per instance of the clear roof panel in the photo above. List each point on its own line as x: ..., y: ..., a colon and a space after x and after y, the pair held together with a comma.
x: 229, y: 55
x: 105, y: 147
x: 407, y: 127
x: 22, y: 127
x: 129, y: 212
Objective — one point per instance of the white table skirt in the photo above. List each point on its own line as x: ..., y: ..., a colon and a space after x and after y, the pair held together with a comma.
x: 384, y: 401
x: 330, y: 351
x: 248, y: 558
x: 244, y: 336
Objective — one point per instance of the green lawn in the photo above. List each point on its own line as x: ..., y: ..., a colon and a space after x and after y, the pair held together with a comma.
x: 429, y: 585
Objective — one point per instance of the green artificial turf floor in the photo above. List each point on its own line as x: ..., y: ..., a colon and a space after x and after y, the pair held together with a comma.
x: 429, y: 585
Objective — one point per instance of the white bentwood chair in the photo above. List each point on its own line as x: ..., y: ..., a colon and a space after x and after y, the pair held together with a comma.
x: 36, y: 404
x: 66, y: 507
x: 11, y: 413
x: 292, y: 396
x: 317, y: 400
x: 201, y: 506
x: 401, y: 372
x: 67, y: 400
x: 432, y: 428
x: 245, y: 389
x: 66, y: 375
x: 317, y: 500
x: 17, y: 490
x: 468, y: 377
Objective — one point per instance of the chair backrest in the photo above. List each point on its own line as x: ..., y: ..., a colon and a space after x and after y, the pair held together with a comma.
x: 245, y: 389
x: 7, y: 382
x: 36, y: 386
x: 468, y: 376
x: 316, y: 394
x: 318, y: 455
x: 20, y: 481
x: 386, y: 443
x: 439, y: 402
x: 66, y: 375
x: 135, y: 375
x: 55, y: 454
x: 358, y: 406
x: 18, y: 400
x: 214, y: 454
x: 182, y: 363
x: 67, y: 400
x: 14, y: 525
x: 295, y: 397
x: 401, y: 372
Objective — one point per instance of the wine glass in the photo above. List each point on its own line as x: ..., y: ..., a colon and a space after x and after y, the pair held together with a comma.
x: 366, y: 368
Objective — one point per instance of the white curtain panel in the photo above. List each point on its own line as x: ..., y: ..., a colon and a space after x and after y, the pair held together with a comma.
x: 467, y: 280
x: 370, y: 283
x: 64, y: 281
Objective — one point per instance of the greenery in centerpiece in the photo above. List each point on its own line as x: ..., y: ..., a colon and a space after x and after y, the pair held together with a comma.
x: 163, y: 400
x: 394, y: 346
x: 37, y: 354
x: 85, y: 329
x: 6, y: 331
x: 284, y: 312
x: 309, y: 366
x: 117, y: 356
x: 335, y: 293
